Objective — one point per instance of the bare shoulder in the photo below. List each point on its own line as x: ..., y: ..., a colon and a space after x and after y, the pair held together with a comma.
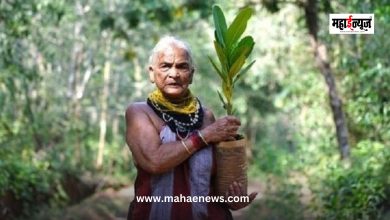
x: 140, y: 112
x: 208, y: 116
x: 208, y: 113
x: 136, y: 109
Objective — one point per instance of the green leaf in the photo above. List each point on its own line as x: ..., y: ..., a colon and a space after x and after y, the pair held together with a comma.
x: 221, y: 55
x: 236, y: 66
x: 221, y: 98
x: 245, y: 46
x: 237, y: 28
x: 243, y: 71
x: 220, y: 24
x: 234, y: 111
x: 223, y: 76
x: 231, y: 52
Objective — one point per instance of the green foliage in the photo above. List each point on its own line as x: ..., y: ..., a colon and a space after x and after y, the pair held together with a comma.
x: 29, y: 180
x: 297, y: 134
x: 358, y: 192
x: 369, y: 108
x: 355, y: 195
x: 51, y: 58
x: 231, y: 51
x: 280, y: 201
x: 271, y: 5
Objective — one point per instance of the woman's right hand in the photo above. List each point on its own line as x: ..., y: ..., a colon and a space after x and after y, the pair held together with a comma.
x: 223, y: 129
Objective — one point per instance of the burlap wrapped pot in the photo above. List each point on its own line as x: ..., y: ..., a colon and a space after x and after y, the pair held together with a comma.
x: 231, y: 165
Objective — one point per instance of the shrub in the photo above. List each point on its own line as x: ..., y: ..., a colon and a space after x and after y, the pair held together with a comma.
x: 359, y: 192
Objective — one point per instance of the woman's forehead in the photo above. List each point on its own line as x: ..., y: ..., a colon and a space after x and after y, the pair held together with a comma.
x: 172, y: 54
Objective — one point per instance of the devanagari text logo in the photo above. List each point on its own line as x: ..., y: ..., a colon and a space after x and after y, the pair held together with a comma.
x: 351, y: 23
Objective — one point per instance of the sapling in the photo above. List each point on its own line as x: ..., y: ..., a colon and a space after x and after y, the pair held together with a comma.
x: 232, y: 52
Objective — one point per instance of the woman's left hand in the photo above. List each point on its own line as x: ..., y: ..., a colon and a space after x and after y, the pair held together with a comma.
x: 236, y: 189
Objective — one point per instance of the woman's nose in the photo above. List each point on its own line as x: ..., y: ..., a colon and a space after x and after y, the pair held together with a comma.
x: 173, y: 72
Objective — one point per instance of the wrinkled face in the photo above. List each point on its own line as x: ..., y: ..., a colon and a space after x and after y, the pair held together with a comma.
x: 172, y: 72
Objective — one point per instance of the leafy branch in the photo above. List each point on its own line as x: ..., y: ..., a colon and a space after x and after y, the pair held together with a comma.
x: 232, y: 52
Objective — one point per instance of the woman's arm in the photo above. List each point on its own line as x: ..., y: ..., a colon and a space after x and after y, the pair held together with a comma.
x: 153, y: 156
x: 145, y: 144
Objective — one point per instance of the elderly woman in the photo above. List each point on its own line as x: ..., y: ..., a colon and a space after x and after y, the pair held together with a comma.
x: 171, y: 137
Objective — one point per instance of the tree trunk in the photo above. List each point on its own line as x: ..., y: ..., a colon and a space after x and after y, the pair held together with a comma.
x: 115, y: 116
x: 138, y: 83
x: 103, y: 113
x: 78, y: 77
x: 73, y: 78
x: 322, y: 61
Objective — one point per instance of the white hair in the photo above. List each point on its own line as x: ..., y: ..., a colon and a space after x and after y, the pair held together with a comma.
x: 167, y: 42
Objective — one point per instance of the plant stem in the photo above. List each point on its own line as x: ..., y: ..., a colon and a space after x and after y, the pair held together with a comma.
x: 229, y: 108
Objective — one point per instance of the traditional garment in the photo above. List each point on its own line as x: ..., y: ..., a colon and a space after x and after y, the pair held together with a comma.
x: 193, y: 177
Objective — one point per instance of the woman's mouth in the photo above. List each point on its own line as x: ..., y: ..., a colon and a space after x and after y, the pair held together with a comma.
x: 174, y: 84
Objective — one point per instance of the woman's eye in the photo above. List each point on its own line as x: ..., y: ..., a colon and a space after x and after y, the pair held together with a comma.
x: 164, y: 67
x: 183, y: 67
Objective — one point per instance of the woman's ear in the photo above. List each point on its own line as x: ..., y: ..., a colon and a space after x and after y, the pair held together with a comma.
x: 151, y: 74
x: 192, y: 75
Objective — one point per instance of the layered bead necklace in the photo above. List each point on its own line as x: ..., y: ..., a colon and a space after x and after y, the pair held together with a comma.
x: 183, y: 117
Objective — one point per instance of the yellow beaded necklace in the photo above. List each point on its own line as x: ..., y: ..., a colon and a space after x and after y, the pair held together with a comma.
x: 187, y: 105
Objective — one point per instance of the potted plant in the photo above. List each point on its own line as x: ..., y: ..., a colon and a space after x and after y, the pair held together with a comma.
x: 232, y: 52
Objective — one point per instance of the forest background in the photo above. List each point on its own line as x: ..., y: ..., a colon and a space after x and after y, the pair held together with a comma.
x: 315, y: 106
